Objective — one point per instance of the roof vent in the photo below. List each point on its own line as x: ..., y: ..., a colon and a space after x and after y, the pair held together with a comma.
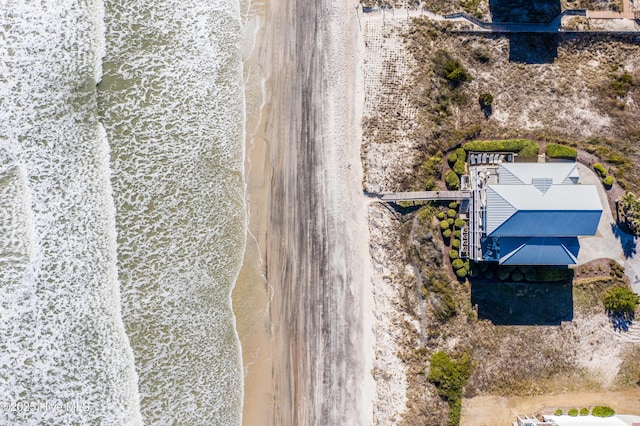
x: 543, y: 184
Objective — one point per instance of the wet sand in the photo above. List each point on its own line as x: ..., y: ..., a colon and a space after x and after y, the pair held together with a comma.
x: 303, y: 297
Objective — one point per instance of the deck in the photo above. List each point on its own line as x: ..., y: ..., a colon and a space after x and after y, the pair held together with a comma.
x: 394, y: 197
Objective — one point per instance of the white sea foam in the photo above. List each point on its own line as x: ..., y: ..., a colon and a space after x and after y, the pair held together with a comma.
x: 171, y: 100
x: 61, y: 333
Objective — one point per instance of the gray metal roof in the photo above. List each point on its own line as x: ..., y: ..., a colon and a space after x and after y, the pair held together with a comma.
x: 525, y: 173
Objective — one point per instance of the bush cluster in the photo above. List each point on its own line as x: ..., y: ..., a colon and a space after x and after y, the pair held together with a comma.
x: 607, y: 180
x: 452, y: 180
x: 524, y: 147
x: 620, y: 300
x: 485, y: 99
x: 450, y: 375
x: 630, y: 210
x: 560, y: 151
x: 538, y: 273
x: 602, y: 411
x: 450, y: 69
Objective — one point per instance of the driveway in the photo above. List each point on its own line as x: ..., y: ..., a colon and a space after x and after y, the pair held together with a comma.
x: 609, y: 242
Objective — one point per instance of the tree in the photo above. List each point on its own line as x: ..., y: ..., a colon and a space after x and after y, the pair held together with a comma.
x: 485, y: 100
x: 620, y: 300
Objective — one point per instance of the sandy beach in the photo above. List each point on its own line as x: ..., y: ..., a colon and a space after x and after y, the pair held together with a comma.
x: 303, y: 300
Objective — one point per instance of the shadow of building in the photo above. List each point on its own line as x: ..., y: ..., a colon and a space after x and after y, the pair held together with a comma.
x: 509, y: 303
x: 529, y: 47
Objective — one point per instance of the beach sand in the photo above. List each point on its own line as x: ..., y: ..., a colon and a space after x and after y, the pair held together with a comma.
x: 303, y: 300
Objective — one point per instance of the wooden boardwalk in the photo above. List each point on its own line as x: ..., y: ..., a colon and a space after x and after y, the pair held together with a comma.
x: 394, y: 197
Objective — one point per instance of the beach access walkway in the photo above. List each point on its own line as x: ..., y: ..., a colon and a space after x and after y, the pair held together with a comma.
x: 394, y: 197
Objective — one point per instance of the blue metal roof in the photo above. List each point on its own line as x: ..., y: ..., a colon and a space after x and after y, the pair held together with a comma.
x: 539, y: 251
x: 560, y: 223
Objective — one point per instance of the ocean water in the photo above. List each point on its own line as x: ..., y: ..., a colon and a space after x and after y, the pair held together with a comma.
x: 122, y: 214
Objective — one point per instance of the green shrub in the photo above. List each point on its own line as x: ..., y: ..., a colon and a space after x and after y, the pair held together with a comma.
x: 600, y: 170
x: 450, y: 69
x: 450, y: 375
x: 560, y: 151
x: 558, y: 412
x: 451, y: 221
x: 602, y: 411
x: 607, y: 181
x: 444, y: 224
x: 452, y: 158
x: 516, y: 275
x: 453, y: 205
x: 458, y: 167
x: 455, y: 244
x: 440, y: 215
x: 573, y: 412
x: 503, y: 273
x: 452, y: 213
x: 620, y: 300
x: 461, y: 154
x: 461, y: 273
x: 457, y: 264
x: 457, y: 233
x: 452, y: 180
x: 485, y: 99
x: 621, y: 84
x: 525, y: 147
x: 584, y: 411
x: 630, y: 207
x: 446, y: 233
x: 453, y: 254
x: 460, y: 223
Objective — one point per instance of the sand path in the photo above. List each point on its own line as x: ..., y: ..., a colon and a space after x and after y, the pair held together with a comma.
x: 309, y: 219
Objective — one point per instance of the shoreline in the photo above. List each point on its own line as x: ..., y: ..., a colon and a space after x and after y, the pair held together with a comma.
x: 303, y: 298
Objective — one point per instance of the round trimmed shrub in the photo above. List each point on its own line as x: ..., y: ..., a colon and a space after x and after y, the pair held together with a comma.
x: 573, y: 412
x: 558, y: 412
x: 458, y: 167
x: 503, y: 273
x: 451, y: 221
x: 452, y: 180
x: 444, y: 224
x: 461, y: 273
x: 459, y: 223
x: 453, y: 205
x: 457, y: 264
x: 440, y: 215
x: 452, y: 213
x: 602, y: 411
x: 489, y: 274
x: 516, y: 275
x: 457, y: 233
x: 455, y: 244
x: 453, y: 254
x: 446, y: 233
x: 452, y: 158
x: 483, y: 266
x: 461, y: 153
x: 584, y: 412
x: 607, y: 181
x: 600, y: 170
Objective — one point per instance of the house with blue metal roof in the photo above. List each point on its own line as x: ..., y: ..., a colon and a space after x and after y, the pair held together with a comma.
x: 529, y: 213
